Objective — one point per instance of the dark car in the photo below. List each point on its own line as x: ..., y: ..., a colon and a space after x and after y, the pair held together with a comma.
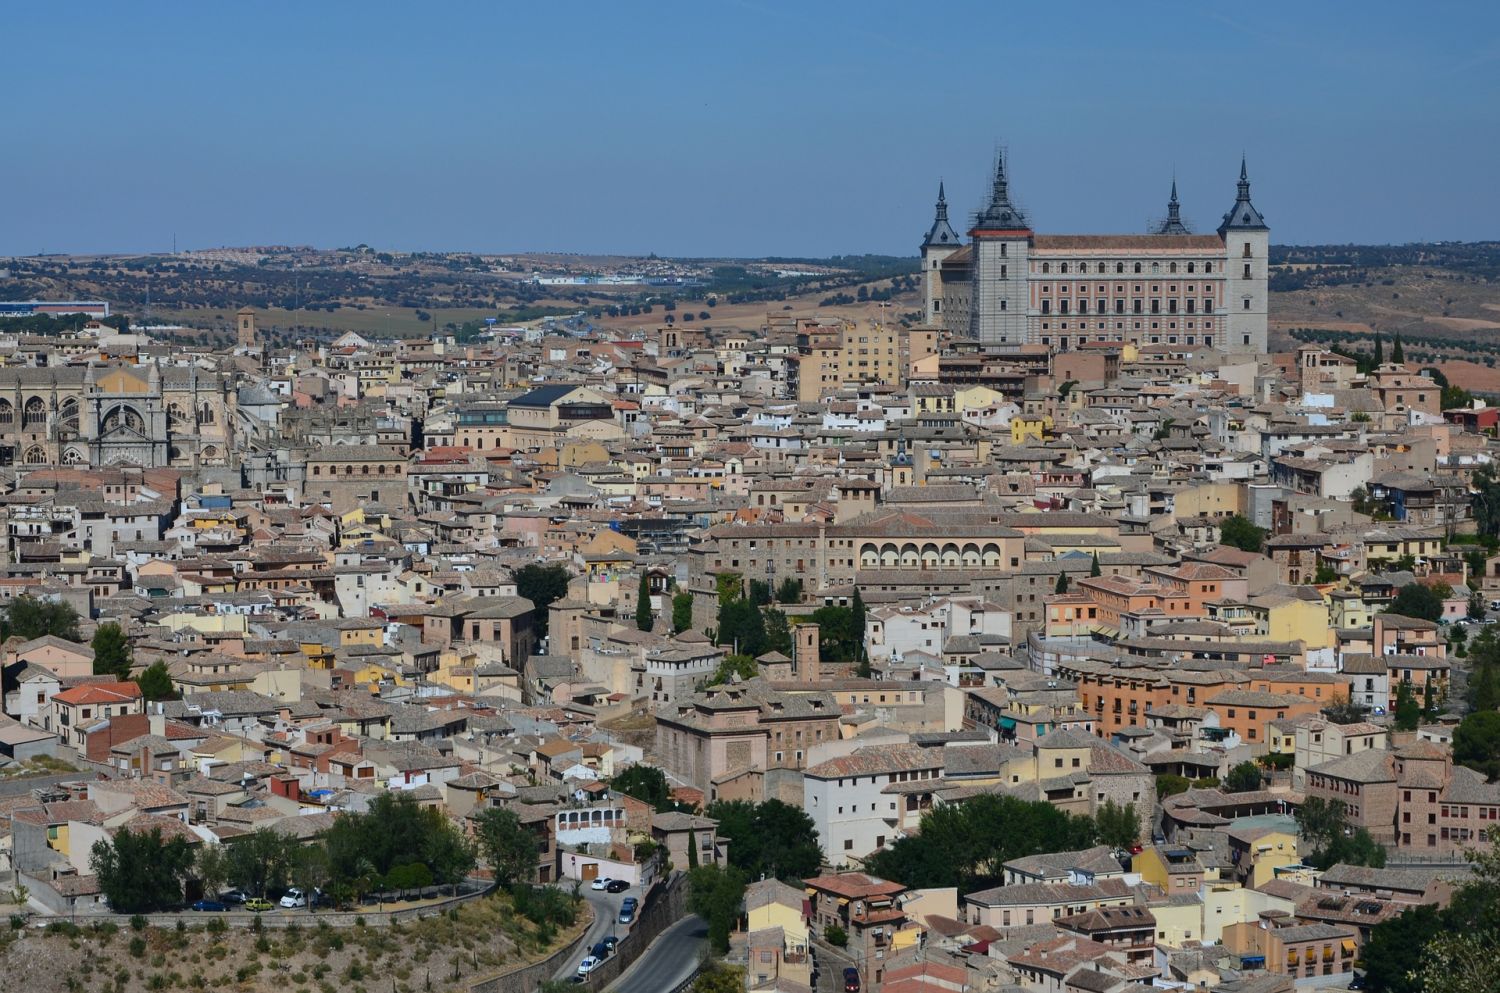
x: 600, y: 951
x: 851, y: 980
x: 617, y: 886
x: 609, y: 943
x: 628, y: 909
x: 215, y: 905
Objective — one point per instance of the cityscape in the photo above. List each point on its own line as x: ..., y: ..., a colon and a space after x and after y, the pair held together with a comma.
x: 764, y: 520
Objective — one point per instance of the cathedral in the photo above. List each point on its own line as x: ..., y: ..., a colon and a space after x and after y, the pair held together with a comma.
x: 104, y: 415
x: 1010, y: 286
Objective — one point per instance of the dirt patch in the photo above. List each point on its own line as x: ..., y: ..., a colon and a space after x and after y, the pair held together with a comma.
x: 444, y: 953
x: 1472, y: 376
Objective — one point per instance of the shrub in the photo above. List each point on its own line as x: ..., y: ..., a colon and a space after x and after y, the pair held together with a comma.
x: 359, y: 921
x: 137, y: 922
x: 137, y: 946
x: 216, y: 925
x: 836, y: 936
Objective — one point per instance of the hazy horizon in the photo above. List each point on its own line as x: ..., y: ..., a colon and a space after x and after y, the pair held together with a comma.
x: 735, y: 131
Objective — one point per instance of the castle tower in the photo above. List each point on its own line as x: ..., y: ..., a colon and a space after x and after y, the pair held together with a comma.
x: 941, y: 242
x: 1173, y: 224
x: 1001, y: 239
x: 1247, y: 243
x: 246, y: 327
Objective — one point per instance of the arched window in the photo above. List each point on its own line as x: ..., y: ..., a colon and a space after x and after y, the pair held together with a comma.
x: 1046, y: 267
x: 1137, y: 267
x: 205, y: 414
x: 34, y: 414
x: 1119, y: 267
x: 73, y: 457
x: 364, y: 470
x: 1063, y: 268
x: 1208, y: 267
x: 317, y: 470
x: 69, y: 413
x: 1155, y: 267
x: 123, y: 417
x: 1101, y: 268
x: 210, y: 452
x: 1172, y: 267
x: 1190, y: 267
x: 7, y: 412
x: 35, y: 455
x: 176, y: 417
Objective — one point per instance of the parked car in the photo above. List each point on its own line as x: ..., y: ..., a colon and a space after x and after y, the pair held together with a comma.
x: 628, y: 909
x: 294, y: 897
x: 234, y: 896
x: 617, y: 886
x: 217, y: 906
x: 851, y: 980
x: 610, y: 942
x: 600, y: 951
x: 602, y: 883
x: 588, y: 965
x: 259, y: 905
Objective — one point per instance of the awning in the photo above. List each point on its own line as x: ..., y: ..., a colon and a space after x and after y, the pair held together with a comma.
x: 1291, y: 958
x: 1327, y: 953
x: 1311, y: 955
x: 1348, y: 947
x: 1008, y: 723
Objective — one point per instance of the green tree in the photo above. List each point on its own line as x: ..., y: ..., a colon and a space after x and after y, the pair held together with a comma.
x: 1416, y: 600
x: 1476, y: 743
x: 1094, y: 571
x: 742, y: 627
x: 1327, y: 839
x: 1393, y: 954
x: 1461, y: 959
x: 837, y: 641
x: 1477, y: 606
x: 1243, y: 778
x: 1118, y: 827
x: 643, y: 605
x: 790, y: 591
x: 1239, y: 532
x: 647, y: 784
x: 1398, y: 354
x: 716, y: 894
x: 1408, y: 712
x: 1342, y: 710
x: 742, y: 666
x: 155, y: 682
x: 682, y: 611
x: 211, y: 868
x: 1062, y: 583
x: 1326, y: 574
x: 1378, y: 356
x: 836, y: 936
x: 508, y: 847
x: 448, y: 853
x: 778, y: 632
x: 543, y: 585
x: 1171, y: 784
x: 729, y: 586
x: 857, y: 626
x: 140, y: 873
x: 771, y: 839
x: 760, y: 592
x: 31, y: 617
x: 717, y: 977
x: 111, y: 652
x: 261, y: 861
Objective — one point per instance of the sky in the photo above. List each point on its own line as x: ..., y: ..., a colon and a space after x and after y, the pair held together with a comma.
x: 736, y: 127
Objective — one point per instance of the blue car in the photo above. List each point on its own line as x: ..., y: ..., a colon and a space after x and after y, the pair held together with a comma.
x: 213, y: 905
x: 628, y: 909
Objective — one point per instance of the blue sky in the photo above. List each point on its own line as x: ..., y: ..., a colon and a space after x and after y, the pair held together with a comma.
x: 735, y: 128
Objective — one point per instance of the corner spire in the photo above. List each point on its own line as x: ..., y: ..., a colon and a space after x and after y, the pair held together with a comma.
x: 1001, y: 214
x: 1173, y: 224
x: 1243, y: 216
x: 941, y: 233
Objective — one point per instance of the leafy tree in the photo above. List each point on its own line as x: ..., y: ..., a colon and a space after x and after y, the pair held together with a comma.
x: 729, y: 586
x: 742, y: 627
x: 449, y: 854
x: 790, y: 590
x: 543, y: 585
x: 857, y: 624
x: 508, y: 847
x: 30, y: 617
x: 1171, y: 784
x: 139, y: 872
x: 1476, y: 743
x: 682, y: 611
x: 1394, y: 952
x: 1062, y: 583
x: 837, y: 639
x: 1484, y: 489
x: 1119, y: 827
x: 1416, y: 600
x: 1243, y: 778
x: 1326, y: 574
x: 1324, y: 829
x: 211, y: 868
x: 965, y: 844
x: 716, y: 894
x: 643, y: 605
x: 1462, y: 957
x: 1094, y: 571
x: 760, y: 592
x: 647, y: 784
x: 1477, y: 606
x: 772, y: 838
x: 111, y: 652
x: 156, y: 682
x: 778, y: 632
x: 719, y: 978
x: 1408, y: 712
x: 1343, y: 710
x: 836, y: 936
x: 261, y: 860
x: 742, y: 666
x: 1239, y: 532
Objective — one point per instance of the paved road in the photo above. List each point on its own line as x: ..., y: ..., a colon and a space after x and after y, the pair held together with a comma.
x: 606, y: 921
x: 669, y: 960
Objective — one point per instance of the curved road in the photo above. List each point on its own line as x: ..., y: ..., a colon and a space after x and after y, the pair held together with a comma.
x: 606, y: 908
x: 669, y: 960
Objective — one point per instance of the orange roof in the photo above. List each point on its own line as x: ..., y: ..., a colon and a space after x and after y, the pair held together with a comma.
x: 100, y: 693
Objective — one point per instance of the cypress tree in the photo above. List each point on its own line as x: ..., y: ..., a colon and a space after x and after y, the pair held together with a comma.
x: 1062, y: 583
x: 1398, y: 356
x: 1094, y: 570
x: 643, y: 605
x: 1379, y: 357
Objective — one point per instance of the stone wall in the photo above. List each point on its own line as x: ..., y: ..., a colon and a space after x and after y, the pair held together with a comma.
x: 664, y: 906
